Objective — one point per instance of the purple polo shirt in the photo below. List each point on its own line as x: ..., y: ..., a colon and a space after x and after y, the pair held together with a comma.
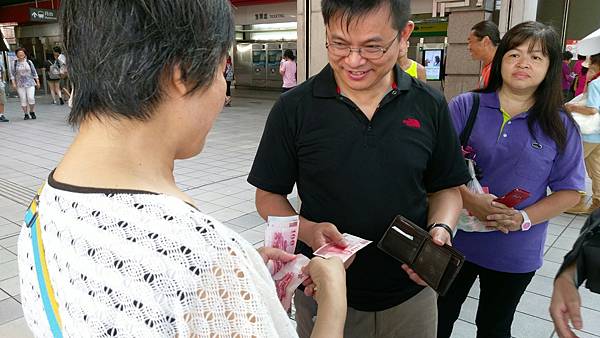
x: 514, y: 158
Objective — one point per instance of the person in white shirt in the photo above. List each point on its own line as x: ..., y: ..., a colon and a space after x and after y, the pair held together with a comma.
x: 127, y: 253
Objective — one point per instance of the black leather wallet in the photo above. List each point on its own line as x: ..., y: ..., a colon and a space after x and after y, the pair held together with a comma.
x: 410, y: 244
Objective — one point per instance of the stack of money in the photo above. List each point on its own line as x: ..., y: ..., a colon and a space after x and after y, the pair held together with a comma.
x: 282, y: 233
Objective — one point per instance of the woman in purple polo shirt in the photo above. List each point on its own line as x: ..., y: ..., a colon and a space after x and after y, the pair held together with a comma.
x: 522, y: 139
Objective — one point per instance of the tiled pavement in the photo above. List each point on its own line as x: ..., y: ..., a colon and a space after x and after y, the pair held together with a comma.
x: 216, y: 179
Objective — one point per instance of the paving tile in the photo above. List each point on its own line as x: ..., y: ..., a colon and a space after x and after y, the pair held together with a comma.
x: 548, y: 269
x: 11, y: 286
x: 6, y: 256
x: 463, y: 329
x: 541, y: 285
x: 15, y: 329
x: 8, y: 270
x: 253, y: 236
x: 526, y: 326
x: 248, y: 221
x: 564, y: 242
x: 9, y: 310
x: 535, y: 305
x: 555, y: 255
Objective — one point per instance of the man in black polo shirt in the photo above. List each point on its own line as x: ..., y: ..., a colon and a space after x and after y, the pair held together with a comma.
x: 364, y: 142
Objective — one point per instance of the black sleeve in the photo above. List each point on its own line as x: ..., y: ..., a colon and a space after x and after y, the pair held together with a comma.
x: 446, y: 168
x: 275, y: 167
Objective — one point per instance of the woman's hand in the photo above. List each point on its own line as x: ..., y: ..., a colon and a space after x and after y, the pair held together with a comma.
x: 268, y: 254
x: 506, y: 223
x: 565, y: 304
x: 37, y: 84
x: 486, y: 210
x: 327, y: 277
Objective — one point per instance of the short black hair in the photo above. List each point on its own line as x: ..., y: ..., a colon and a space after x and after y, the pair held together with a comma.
x: 143, y: 42
x: 57, y: 49
x: 289, y: 54
x: 487, y: 28
x: 581, y: 57
x: 567, y: 55
x: 351, y: 10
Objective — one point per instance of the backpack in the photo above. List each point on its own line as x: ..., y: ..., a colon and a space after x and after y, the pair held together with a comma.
x: 586, y: 254
x: 54, y: 71
x: 31, y: 66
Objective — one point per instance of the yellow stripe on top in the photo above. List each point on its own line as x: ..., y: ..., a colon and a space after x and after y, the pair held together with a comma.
x: 412, y: 70
x: 45, y: 267
x: 505, y: 118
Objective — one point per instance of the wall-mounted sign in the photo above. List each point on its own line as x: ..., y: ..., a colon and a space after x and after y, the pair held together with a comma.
x: 268, y: 16
x: 43, y: 15
x: 571, y: 46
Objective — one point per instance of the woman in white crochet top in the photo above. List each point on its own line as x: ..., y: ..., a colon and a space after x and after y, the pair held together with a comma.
x: 127, y: 253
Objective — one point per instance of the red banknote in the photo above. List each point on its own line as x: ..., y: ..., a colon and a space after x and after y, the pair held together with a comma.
x: 354, y: 245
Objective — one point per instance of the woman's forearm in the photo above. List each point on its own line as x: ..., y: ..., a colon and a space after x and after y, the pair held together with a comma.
x: 552, y: 205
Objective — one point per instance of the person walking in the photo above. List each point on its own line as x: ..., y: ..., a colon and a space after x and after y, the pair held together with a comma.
x: 54, y: 74
x: 25, y: 79
x: 482, y: 43
x: 591, y: 142
x: 287, y: 69
x: 2, y: 93
x: 521, y: 139
x: 567, y: 76
x: 228, y: 73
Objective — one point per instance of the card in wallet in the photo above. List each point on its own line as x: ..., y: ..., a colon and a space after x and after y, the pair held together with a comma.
x: 410, y: 244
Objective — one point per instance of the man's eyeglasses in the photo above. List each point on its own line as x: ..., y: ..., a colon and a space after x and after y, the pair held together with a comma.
x: 369, y: 52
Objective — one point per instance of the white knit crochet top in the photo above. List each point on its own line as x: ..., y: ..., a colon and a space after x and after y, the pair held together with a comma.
x: 137, y: 264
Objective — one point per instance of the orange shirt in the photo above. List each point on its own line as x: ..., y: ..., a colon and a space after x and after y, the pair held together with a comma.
x: 485, y: 75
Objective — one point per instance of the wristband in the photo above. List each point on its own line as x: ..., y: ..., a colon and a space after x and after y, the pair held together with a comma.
x: 444, y: 226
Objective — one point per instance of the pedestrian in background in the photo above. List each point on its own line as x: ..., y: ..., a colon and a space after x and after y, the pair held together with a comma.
x: 2, y: 94
x: 25, y: 79
x: 287, y: 69
x: 411, y: 67
x: 482, y: 43
x: 580, y: 74
x: 228, y: 73
x: 522, y: 139
x: 55, y: 67
x: 567, y: 76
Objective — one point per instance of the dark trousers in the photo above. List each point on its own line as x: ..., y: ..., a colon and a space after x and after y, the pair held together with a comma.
x: 499, y: 296
x: 228, y: 92
x: 283, y: 89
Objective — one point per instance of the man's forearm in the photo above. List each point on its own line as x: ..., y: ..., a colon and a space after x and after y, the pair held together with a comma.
x: 445, y: 206
x: 271, y: 204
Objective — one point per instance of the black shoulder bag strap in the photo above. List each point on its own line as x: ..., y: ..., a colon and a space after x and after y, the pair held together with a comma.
x: 466, y: 133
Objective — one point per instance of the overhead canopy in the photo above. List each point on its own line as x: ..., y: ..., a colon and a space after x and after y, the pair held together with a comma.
x: 590, y: 45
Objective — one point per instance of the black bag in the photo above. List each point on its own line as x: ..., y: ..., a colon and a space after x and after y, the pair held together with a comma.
x: 586, y: 254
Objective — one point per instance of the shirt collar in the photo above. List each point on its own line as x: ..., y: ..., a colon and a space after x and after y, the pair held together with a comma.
x: 325, y: 85
x: 491, y: 100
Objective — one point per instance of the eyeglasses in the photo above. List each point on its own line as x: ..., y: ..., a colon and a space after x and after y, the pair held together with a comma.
x: 369, y: 52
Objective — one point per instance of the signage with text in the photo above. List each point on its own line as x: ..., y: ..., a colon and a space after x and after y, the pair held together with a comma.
x: 43, y: 15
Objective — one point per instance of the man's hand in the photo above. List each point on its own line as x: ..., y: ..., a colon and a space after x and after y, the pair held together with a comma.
x: 274, y: 254
x: 565, y: 304
x: 319, y: 234
x: 440, y: 237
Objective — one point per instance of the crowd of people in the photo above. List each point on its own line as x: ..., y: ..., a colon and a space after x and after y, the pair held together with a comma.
x: 112, y: 247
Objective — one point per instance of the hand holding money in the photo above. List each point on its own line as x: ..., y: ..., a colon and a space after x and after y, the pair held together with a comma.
x: 319, y: 234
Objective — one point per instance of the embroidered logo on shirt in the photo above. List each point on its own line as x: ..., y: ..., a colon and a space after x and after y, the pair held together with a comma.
x: 413, y: 123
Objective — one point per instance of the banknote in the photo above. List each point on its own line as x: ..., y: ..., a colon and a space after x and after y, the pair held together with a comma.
x: 289, y: 278
x: 281, y: 233
x: 354, y: 245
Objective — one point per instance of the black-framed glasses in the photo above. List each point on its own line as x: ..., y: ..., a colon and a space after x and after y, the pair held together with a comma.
x: 369, y: 52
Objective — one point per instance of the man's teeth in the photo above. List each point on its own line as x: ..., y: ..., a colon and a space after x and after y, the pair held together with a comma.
x: 357, y: 73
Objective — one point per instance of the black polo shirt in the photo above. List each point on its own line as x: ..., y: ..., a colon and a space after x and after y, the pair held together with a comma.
x: 359, y: 174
